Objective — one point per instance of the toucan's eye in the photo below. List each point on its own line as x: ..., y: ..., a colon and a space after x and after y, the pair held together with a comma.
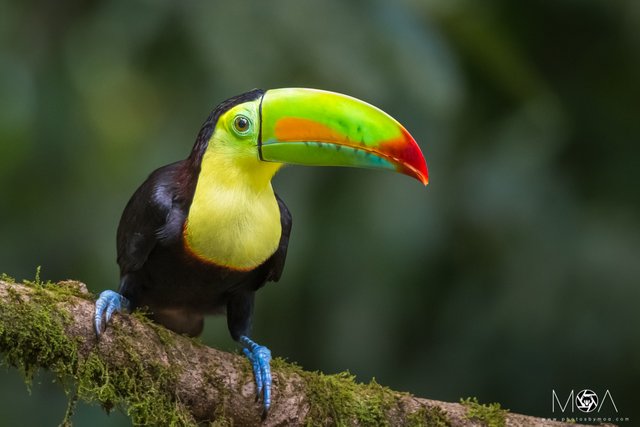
x: 242, y: 124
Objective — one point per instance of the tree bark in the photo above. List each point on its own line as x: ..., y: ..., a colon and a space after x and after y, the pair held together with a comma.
x: 159, y: 377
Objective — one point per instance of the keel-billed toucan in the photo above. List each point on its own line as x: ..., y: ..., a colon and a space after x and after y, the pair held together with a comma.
x: 202, y: 235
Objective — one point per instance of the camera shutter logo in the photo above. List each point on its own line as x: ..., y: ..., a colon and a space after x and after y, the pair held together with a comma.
x: 587, y: 400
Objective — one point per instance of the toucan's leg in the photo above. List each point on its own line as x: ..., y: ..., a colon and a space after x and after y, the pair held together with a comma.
x: 260, y: 358
x: 239, y: 313
x: 108, y: 303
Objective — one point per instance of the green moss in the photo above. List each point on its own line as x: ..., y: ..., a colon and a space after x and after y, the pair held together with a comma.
x: 36, y: 281
x: 490, y: 414
x: 60, y: 291
x: 339, y: 400
x: 40, y: 339
x: 222, y: 422
x: 165, y: 336
x: 6, y: 278
x: 138, y: 386
x: 219, y: 414
x: 428, y: 417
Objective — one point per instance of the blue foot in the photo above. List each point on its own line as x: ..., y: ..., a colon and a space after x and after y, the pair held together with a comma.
x: 259, y: 356
x: 108, y: 303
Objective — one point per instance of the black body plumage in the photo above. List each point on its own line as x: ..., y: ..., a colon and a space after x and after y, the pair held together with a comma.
x: 159, y: 272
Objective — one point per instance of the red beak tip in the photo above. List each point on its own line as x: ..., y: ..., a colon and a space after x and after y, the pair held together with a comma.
x: 424, y: 179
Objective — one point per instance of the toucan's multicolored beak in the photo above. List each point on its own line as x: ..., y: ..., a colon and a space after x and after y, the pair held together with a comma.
x: 320, y: 128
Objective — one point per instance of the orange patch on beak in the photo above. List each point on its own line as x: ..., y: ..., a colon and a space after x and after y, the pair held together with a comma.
x: 297, y: 129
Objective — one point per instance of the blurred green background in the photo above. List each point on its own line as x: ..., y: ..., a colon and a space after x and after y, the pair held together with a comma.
x: 516, y: 272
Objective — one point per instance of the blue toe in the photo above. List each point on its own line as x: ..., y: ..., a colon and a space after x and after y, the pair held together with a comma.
x: 260, y: 358
x: 108, y: 302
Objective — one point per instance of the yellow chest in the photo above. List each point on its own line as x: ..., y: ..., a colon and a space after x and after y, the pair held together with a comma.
x: 233, y: 228
x: 234, y: 217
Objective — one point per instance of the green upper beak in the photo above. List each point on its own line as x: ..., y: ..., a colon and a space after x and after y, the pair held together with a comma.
x: 320, y: 128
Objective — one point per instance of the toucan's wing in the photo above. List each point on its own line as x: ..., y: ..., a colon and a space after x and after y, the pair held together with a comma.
x: 152, y: 215
x: 275, y: 264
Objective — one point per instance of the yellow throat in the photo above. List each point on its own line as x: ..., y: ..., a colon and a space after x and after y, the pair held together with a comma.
x: 234, y: 218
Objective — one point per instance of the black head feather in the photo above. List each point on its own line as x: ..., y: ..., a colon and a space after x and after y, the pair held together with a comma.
x: 202, y: 141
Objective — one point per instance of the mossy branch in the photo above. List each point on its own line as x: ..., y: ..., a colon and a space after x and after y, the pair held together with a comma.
x: 160, y: 378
